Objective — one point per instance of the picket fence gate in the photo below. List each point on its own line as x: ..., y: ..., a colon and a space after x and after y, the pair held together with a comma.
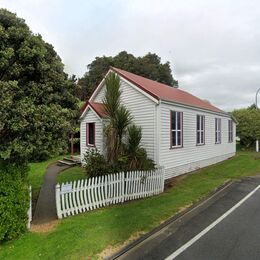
x: 89, y: 194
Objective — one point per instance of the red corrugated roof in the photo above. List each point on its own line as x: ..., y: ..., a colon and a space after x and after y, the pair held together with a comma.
x: 97, y: 107
x: 165, y: 92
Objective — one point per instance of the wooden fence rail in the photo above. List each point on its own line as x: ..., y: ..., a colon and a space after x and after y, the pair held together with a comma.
x: 89, y: 194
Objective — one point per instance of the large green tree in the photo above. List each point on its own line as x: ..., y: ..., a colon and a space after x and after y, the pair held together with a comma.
x: 248, y: 128
x: 37, y: 106
x: 149, y: 66
x: 37, y: 99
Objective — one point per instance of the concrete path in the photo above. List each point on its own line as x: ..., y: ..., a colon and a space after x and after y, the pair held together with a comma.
x: 46, y: 207
x: 235, y: 237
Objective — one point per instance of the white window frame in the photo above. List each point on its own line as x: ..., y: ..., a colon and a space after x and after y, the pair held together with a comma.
x: 176, y: 130
x: 201, y: 131
x: 218, y: 130
x: 230, y: 131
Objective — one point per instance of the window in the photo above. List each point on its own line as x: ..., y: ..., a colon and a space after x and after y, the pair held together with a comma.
x: 90, y: 132
x: 200, y: 130
x: 217, y: 130
x: 176, y: 129
x: 230, y: 131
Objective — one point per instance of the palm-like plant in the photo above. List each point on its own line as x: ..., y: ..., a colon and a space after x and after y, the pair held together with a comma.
x: 119, y: 118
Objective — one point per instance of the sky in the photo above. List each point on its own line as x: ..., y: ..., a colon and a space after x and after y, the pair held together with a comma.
x: 212, y: 46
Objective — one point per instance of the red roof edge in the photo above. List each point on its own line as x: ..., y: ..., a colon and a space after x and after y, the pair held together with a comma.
x: 135, y: 83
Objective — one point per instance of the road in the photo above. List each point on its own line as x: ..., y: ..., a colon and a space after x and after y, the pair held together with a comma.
x: 226, y: 226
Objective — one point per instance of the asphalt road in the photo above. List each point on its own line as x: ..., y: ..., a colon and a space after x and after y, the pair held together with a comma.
x: 225, y: 227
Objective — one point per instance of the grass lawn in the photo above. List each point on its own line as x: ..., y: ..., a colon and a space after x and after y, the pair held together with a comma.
x: 71, y: 174
x: 86, y: 235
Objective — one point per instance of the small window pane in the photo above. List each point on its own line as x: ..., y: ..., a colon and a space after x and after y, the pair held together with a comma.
x: 198, y: 137
x: 173, y: 138
x: 179, y: 137
x: 91, y: 133
x: 198, y: 122
x: 179, y: 120
x: 173, y: 126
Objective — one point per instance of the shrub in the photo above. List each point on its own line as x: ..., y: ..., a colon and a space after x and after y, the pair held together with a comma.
x: 137, y: 158
x: 96, y: 164
x: 14, y: 201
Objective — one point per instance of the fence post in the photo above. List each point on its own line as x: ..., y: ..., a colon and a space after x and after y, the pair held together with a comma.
x: 58, y: 206
x: 29, y: 213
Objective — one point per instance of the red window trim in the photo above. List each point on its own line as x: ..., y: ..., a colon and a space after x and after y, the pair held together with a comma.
x: 179, y: 146
x: 87, y: 130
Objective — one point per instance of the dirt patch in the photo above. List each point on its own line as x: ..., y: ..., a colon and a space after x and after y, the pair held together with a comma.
x: 110, y: 250
x: 44, y: 228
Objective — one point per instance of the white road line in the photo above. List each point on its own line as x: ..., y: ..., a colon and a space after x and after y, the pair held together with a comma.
x: 207, y: 229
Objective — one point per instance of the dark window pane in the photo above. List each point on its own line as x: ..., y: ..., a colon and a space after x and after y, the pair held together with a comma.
x: 179, y: 137
x: 173, y: 138
x: 198, y: 138
x: 173, y: 126
x: 179, y: 120
x: 198, y: 122
x: 202, y: 137
x: 202, y: 122
x: 91, y: 133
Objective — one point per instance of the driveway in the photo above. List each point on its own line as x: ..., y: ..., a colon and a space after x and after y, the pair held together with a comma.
x: 226, y: 226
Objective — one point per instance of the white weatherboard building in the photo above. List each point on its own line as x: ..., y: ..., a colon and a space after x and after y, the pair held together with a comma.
x: 179, y: 131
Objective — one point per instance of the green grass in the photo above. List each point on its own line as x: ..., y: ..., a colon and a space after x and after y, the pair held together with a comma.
x: 85, y: 235
x: 37, y: 171
x: 71, y: 174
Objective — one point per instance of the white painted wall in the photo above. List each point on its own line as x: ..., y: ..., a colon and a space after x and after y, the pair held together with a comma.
x: 91, y: 117
x: 191, y: 157
x: 142, y: 110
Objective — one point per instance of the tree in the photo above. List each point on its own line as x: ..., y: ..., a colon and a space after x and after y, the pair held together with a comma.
x: 37, y: 99
x: 37, y: 105
x: 119, y: 118
x: 248, y: 128
x: 149, y: 66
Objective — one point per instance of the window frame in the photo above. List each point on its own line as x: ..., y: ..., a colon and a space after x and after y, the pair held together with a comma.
x: 176, y: 130
x: 87, y: 134
x: 217, y: 130
x: 230, y: 131
x: 200, y: 131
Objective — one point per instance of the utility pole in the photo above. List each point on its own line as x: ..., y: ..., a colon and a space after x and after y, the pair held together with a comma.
x: 256, y: 106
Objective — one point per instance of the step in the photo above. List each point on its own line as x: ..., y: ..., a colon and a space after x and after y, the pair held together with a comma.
x: 71, y: 160
x: 67, y: 162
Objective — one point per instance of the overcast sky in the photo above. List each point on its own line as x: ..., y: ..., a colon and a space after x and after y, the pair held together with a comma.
x: 213, y: 46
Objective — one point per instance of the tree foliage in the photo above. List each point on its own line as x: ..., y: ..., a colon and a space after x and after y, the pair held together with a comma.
x: 123, y: 138
x: 248, y: 128
x: 37, y: 99
x: 148, y: 66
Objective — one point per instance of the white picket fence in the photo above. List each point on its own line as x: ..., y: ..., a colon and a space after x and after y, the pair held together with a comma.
x: 29, y: 212
x: 89, y: 194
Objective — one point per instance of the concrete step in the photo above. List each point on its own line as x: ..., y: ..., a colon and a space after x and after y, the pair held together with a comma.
x: 69, y: 159
x: 67, y: 162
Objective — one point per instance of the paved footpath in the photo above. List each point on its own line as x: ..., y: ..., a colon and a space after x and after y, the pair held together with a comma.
x: 225, y: 227
x: 46, y: 207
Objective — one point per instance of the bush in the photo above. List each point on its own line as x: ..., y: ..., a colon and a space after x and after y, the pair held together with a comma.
x: 14, y: 201
x: 96, y: 164
x: 137, y: 158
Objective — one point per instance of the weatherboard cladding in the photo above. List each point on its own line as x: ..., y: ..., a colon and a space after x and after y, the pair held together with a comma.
x: 91, y: 117
x: 190, y: 153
